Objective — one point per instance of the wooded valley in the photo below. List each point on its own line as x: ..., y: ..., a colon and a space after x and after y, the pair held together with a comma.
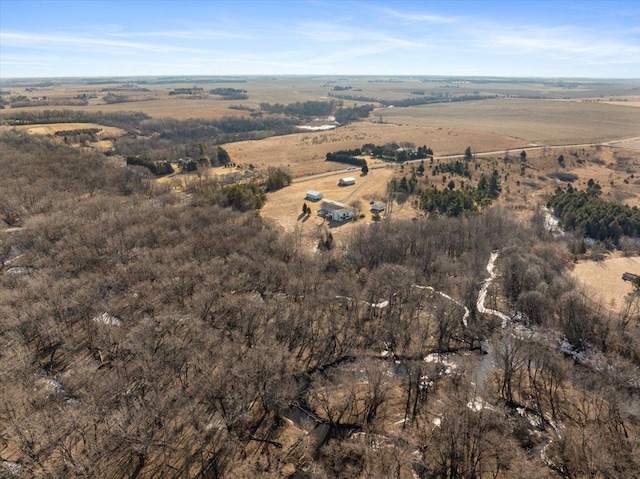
x: 153, y: 333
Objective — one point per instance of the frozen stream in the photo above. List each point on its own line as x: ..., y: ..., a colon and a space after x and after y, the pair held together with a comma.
x: 483, y: 292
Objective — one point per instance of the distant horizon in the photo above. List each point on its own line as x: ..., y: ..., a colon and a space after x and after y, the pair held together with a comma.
x: 313, y: 75
x: 132, y: 38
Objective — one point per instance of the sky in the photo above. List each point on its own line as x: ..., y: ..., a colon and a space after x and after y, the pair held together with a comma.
x: 587, y: 39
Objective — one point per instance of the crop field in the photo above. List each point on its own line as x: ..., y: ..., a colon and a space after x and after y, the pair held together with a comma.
x: 533, y: 121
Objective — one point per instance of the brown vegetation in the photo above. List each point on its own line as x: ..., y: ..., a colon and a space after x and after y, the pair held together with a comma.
x: 150, y: 329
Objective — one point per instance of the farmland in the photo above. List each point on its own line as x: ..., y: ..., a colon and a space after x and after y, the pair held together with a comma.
x: 153, y: 326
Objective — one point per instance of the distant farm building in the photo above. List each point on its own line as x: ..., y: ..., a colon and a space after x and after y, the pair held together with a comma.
x: 336, y: 211
x: 378, y: 207
x: 632, y: 278
x: 347, y: 181
x: 312, y: 195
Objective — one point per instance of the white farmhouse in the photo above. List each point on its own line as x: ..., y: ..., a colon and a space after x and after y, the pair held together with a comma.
x: 347, y: 181
x: 336, y: 211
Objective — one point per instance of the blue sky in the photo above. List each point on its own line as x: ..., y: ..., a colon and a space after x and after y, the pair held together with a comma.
x: 488, y: 38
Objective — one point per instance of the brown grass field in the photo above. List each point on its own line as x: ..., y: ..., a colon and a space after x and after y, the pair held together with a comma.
x: 603, y: 279
x: 53, y: 128
x: 304, y: 153
x: 533, y: 121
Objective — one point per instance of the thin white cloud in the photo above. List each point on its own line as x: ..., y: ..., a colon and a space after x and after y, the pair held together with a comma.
x: 328, y: 33
x: 562, y: 43
x: 30, y: 40
x: 417, y: 17
x: 183, y: 34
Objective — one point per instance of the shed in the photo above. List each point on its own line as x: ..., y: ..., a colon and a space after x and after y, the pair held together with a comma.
x: 378, y: 207
x: 313, y: 195
x: 347, y: 181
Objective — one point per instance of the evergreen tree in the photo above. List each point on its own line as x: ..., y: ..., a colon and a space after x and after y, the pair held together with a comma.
x: 523, y: 156
x: 467, y: 154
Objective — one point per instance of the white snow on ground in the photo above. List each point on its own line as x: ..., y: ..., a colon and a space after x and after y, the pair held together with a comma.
x: 441, y: 359
x: 52, y: 384
x: 535, y: 421
x: 106, y: 318
x: 17, y: 271
x: 552, y: 223
x: 444, y: 295
x: 483, y: 291
x: 12, y: 260
x: 478, y: 404
x: 382, y: 304
x: 316, y: 128
x: 13, y: 467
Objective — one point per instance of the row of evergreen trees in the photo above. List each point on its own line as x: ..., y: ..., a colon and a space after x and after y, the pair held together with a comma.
x: 450, y: 201
x: 460, y: 168
x: 585, y: 212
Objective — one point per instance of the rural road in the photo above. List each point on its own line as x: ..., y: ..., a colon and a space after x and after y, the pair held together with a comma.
x: 454, y: 157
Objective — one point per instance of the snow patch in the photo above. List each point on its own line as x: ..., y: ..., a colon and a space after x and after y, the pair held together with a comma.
x: 485, y: 287
x: 478, y: 404
x: 106, y: 318
x: 316, y: 128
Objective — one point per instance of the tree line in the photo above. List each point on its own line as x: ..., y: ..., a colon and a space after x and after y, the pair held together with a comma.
x: 406, y: 102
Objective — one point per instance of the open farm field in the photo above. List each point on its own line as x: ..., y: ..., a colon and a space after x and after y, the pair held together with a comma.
x: 603, y: 279
x: 305, y: 153
x: 152, y: 97
x: 534, y: 121
x: 53, y: 128
x: 178, y: 108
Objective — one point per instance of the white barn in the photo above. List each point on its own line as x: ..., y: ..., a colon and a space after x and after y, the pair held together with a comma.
x: 347, y: 181
x: 336, y: 211
x: 313, y: 195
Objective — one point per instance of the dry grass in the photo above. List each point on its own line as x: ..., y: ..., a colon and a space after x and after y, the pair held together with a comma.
x: 304, y: 153
x: 603, y: 279
x: 285, y: 206
x: 532, y: 121
x: 53, y: 128
x: 179, y: 108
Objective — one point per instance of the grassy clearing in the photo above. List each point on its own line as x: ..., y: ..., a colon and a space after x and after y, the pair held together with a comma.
x: 603, y: 279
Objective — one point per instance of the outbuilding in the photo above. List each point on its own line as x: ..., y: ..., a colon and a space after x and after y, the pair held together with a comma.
x: 336, y: 211
x: 378, y: 207
x: 313, y: 195
x: 347, y: 181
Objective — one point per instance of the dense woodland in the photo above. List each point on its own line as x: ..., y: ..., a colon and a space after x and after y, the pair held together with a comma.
x: 148, y: 333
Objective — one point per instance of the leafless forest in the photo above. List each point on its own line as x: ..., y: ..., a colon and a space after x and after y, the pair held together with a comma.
x: 152, y: 333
